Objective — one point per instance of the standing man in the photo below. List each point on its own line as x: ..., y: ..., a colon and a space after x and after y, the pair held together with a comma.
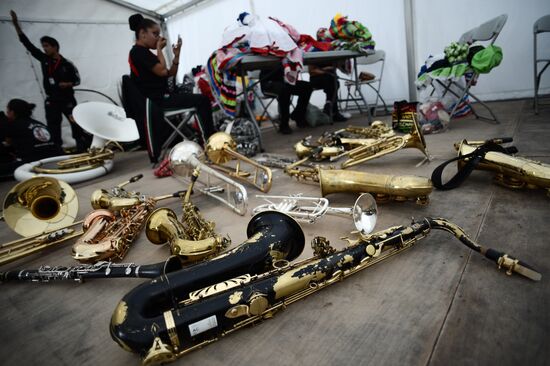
x: 59, y: 78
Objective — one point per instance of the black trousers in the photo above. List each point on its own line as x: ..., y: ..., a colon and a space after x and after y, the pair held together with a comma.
x: 328, y: 84
x: 55, y: 109
x: 284, y: 91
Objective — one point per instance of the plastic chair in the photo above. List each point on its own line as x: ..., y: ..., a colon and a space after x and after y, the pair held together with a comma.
x: 487, y: 31
x: 542, y: 25
x: 351, y: 85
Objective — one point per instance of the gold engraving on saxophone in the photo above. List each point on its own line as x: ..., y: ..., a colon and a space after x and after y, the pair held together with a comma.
x: 235, y: 297
x: 220, y: 287
x: 120, y: 313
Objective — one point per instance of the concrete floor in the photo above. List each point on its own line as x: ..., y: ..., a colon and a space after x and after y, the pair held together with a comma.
x: 435, y: 304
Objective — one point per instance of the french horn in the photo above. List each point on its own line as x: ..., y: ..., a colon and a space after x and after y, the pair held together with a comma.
x: 221, y: 148
x: 188, y: 155
x: 183, y: 311
x: 511, y: 171
x: 193, y: 238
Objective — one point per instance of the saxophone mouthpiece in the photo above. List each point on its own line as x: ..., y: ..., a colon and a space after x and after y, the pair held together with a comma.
x: 180, y: 193
x: 511, y: 264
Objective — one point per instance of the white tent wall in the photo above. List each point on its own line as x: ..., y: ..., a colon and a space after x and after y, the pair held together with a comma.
x: 438, y: 23
x: 201, y: 28
x: 93, y: 34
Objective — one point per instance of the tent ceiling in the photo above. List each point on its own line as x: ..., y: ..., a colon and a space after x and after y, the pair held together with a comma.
x: 164, y: 8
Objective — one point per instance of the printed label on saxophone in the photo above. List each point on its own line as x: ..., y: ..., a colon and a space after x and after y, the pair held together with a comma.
x: 203, y: 325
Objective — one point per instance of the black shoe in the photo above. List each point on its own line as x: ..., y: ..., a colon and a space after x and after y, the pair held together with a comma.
x: 338, y: 117
x: 285, y: 130
x: 301, y: 123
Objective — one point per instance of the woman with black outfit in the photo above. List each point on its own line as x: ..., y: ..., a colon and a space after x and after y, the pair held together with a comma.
x: 150, y: 73
x: 23, y: 139
x: 59, y: 77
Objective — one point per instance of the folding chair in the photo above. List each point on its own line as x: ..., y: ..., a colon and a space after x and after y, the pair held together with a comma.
x: 352, y: 85
x: 487, y: 31
x: 541, y: 25
x: 138, y: 107
x: 182, y: 117
x: 265, y: 99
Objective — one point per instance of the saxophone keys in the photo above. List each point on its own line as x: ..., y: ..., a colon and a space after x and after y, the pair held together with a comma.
x: 237, y: 311
x: 258, y: 304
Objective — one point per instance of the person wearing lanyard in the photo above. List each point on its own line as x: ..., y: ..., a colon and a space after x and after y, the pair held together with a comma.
x: 60, y: 76
x: 150, y: 73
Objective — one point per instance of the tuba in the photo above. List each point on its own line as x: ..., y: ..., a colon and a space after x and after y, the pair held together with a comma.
x: 144, y: 314
x: 191, y: 240
x: 511, y: 171
x: 220, y: 149
x: 186, y: 156
x: 106, y: 122
x: 188, y: 309
x: 383, y: 187
x: 383, y: 146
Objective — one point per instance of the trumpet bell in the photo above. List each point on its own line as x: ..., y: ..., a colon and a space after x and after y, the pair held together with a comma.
x: 365, y: 213
x: 40, y: 204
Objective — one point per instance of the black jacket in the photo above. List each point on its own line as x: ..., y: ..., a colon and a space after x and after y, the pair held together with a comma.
x: 53, y: 72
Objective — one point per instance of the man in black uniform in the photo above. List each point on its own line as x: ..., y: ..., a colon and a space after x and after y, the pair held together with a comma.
x: 60, y: 76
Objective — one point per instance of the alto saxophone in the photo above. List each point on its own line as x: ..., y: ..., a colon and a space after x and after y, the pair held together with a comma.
x: 185, y: 310
x: 191, y: 240
x: 383, y: 187
x: 108, y: 235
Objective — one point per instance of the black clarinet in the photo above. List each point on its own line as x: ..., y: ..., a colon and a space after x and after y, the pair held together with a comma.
x: 98, y: 270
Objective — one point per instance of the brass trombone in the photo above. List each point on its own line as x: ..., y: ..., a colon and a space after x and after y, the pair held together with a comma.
x: 385, y: 146
x: 220, y: 149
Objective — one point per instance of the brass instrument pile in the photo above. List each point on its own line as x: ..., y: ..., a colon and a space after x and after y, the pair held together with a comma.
x: 205, y: 290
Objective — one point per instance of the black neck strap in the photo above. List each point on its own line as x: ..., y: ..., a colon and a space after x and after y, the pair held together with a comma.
x: 471, y: 161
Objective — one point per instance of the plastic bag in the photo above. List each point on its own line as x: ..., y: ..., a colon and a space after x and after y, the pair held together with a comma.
x: 316, y: 117
x: 433, y: 117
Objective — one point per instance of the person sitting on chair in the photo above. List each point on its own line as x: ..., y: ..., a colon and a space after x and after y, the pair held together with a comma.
x: 150, y: 73
x: 272, y: 82
x: 23, y: 139
x: 324, y: 77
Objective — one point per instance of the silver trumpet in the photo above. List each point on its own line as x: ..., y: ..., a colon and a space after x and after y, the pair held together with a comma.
x: 309, y: 209
x: 186, y: 156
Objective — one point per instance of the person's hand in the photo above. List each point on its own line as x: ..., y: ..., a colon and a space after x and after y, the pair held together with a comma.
x: 65, y: 84
x: 176, y: 48
x: 161, y: 43
x: 14, y: 17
